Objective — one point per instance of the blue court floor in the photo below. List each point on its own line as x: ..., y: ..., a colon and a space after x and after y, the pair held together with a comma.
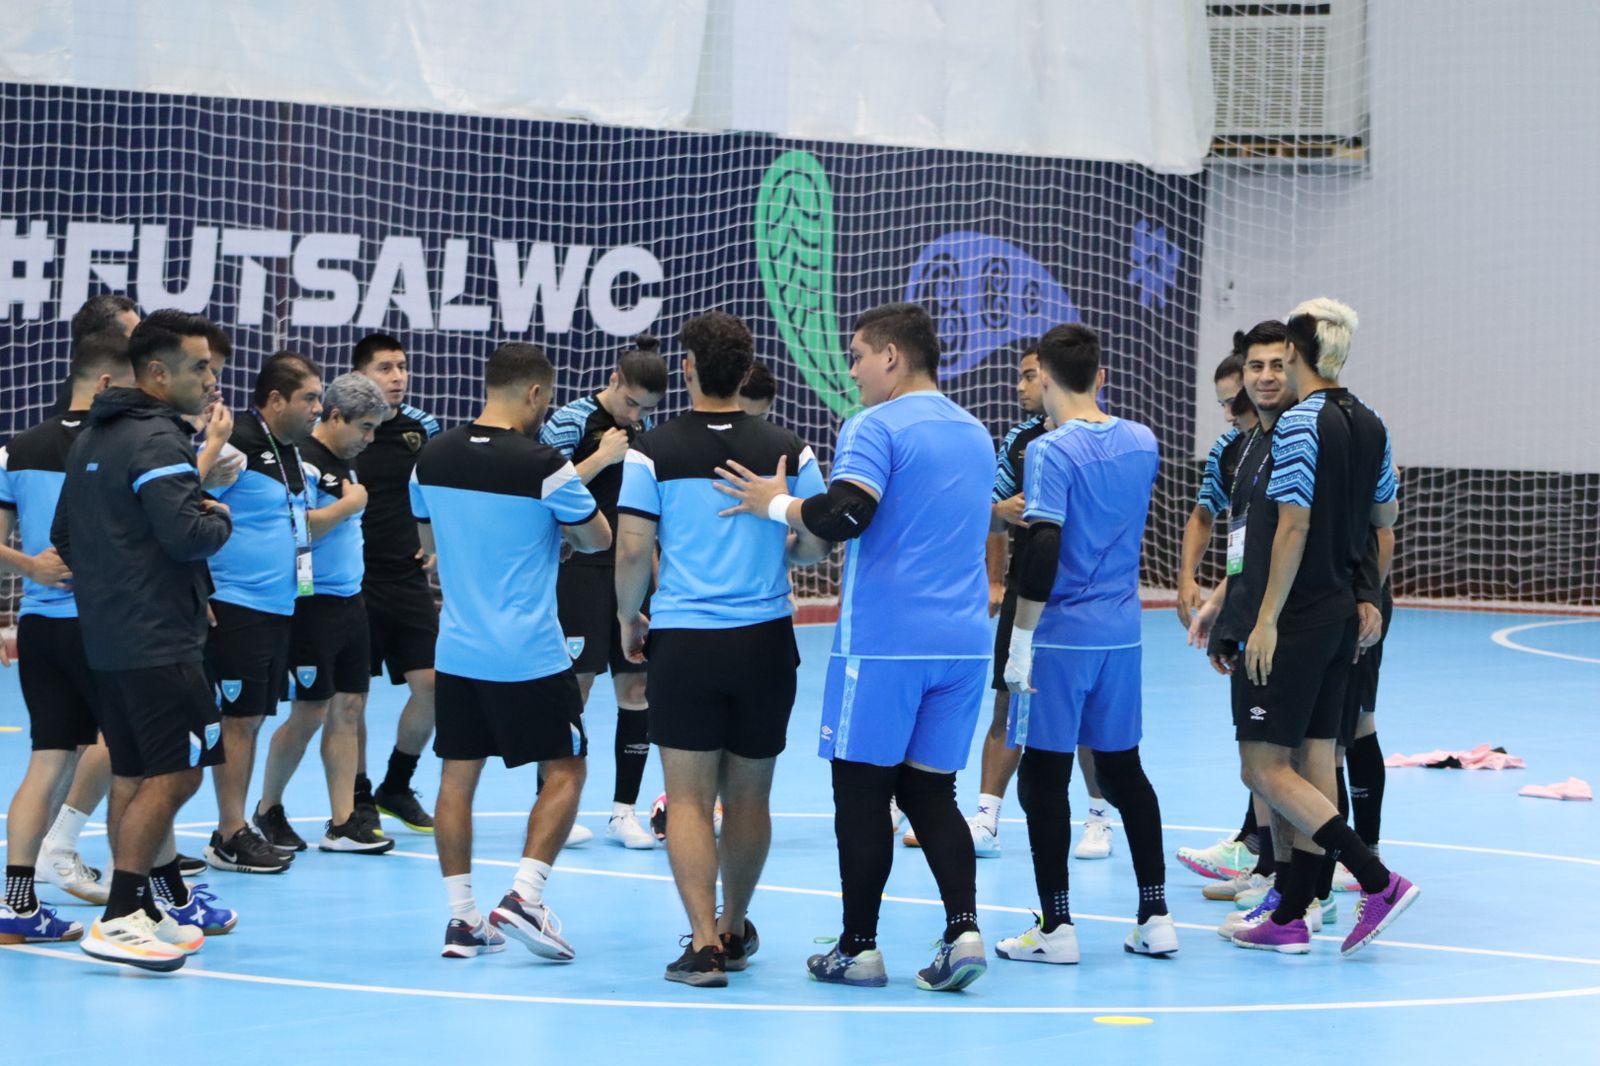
x: 338, y: 961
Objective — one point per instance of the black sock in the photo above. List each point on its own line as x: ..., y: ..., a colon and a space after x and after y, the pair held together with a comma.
x: 1122, y: 779
x: 1341, y: 840
x: 363, y: 790
x: 632, y: 750
x: 127, y: 894
x: 19, y: 889
x: 1295, y: 895
x: 929, y: 802
x: 1330, y: 859
x: 1152, y: 902
x: 1264, y: 859
x: 861, y: 794
x: 1043, y: 778
x: 401, y: 767
x: 167, y: 883
x: 1364, y: 763
x: 1248, y: 828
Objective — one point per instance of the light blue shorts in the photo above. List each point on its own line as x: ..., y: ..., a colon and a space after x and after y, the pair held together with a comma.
x: 1092, y: 698
x: 889, y: 711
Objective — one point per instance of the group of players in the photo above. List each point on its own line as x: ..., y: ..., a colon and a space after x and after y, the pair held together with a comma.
x: 193, y: 584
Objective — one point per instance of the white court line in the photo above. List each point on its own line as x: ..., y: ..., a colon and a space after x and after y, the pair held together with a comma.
x: 1503, y: 637
x: 827, y: 1008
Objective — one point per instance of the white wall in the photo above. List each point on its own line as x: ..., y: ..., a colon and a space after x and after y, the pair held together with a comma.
x: 1471, y: 250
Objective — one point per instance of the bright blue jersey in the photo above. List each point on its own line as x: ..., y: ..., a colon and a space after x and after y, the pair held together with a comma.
x: 32, y: 471
x: 1094, y: 480
x: 496, y: 500
x: 716, y: 573
x: 915, y: 584
x: 255, y: 568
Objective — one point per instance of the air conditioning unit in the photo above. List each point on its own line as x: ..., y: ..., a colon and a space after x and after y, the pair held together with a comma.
x: 1289, y: 74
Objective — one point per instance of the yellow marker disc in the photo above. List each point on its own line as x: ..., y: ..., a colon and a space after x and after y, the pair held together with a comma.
x: 1123, y: 1019
x: 10, y: 729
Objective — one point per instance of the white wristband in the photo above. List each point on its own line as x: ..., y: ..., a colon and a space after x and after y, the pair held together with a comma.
x: 778, y: 509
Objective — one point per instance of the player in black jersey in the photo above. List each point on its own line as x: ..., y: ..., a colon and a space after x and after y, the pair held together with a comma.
x: 401, y: 611
x: 593, y: 433
x: 758, y: 391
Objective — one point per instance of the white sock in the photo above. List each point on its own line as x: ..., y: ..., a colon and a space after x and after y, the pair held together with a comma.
x: 1097, y: 811
x: 622, y: 810
x: 63, y: 835
x: 989, y: 811
x: 530, y: 879
x: 458, y: 890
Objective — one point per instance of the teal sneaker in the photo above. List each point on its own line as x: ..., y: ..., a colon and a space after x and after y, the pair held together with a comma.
x: 862, y: 970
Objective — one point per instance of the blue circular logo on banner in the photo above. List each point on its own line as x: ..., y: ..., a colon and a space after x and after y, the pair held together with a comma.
x: 984, y: 293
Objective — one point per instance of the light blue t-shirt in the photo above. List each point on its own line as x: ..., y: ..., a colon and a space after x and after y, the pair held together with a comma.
x: 915, y: 584
x: 1094, y: 480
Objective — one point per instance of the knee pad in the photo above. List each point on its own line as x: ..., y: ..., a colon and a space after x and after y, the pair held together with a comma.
x: 1042, y: 775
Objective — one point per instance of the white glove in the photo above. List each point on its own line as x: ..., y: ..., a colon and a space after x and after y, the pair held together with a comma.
x: 1019, y: 660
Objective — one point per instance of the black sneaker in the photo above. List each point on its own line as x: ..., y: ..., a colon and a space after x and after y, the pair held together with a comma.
x: 404, y: 805
x: 189, y: 866
x: 365, y: 807
x: 275, y: 827
x: 706, y: 968
x: 245, y: 853
x: 738, y: 949
x: 355, y: 836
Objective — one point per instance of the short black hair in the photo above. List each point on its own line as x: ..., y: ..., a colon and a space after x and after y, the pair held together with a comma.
x: 518, y: 365
x: 1269, y: 331
x: 1027, y: 348
x: 100, y: 312
x: 1241, y: 405
x: 723, y: 351
x: 282, y: 373
x: 162, y: 332
x: 642, y: 366
x: 759, y: 384
x: 371, y: 345
x: 1232, y: 364
x: 105, y: 351
x: 1070, y: 354
x: 906, y: 326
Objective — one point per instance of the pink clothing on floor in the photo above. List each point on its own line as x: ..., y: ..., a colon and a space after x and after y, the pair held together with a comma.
x: 1482, y: 757
x: 1573, y: 788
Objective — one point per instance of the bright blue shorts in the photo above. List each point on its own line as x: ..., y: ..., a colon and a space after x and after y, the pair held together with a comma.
x: 889, y: 711
x: 1092, y: 698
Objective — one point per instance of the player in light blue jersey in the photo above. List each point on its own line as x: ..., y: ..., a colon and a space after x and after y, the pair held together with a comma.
x: 1088, y: 493
x: 909, y: 494
x: 494, y: 504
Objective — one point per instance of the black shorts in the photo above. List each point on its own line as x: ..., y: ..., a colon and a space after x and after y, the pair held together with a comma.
x: 247, y: 655
x: 723, y: 689
x: 1303, y: 698
x: 520, y: 721
x: 1361, y: 694
x: 1002, y: 638
x: 159, y: 720
x: 328, y: 647
x: 586, y: 600
x: 56, y: 684
x: 403, y: 625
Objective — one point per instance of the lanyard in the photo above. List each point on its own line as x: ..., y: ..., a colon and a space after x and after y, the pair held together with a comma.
x: 288, y: 495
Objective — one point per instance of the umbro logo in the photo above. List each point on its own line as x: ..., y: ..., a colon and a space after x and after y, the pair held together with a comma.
x: 330, y: 479
x: 827, y: 731
x: 1258, y: 714
x: 478, y: 440
x: 268, y: 459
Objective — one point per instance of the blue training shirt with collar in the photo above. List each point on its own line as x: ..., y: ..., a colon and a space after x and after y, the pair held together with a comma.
x: 32, y: 470
x: 256, y: 567
x: 915, y: 584
x: 1094, y: 480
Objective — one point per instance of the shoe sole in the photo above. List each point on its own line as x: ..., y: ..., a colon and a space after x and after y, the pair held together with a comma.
x: 343, y: 847
x: 22, y: 938
x: 155, y: 965
x: 1165, y: 953
x: 639, y: 846
x: 698, y: 980
x: 960, y: 977
x: 1092, y: 855
x: 413, y: 826
x: 1219, y: 895
x: 869, y: 982
x: 217, y: 863
x: 531, y: 939
x: 1202, y: 869
x: 1399, y: 908
x: 1281, y: 949
x: 910, y: 841
x: 1001, y: 952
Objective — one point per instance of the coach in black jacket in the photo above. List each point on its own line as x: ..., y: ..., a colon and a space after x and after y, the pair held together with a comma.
x: 136, y: 530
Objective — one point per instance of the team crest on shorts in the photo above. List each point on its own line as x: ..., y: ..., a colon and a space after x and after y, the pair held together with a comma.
x: 213, y: 734
x: 231, y: 690
x: 575, y: 647
x: 413, y: 440
x: 306, y: 675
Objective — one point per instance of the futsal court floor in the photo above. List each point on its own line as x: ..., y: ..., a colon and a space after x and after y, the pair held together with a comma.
x: 338, y: 961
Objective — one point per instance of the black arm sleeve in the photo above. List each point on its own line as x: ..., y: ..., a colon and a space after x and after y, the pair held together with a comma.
x: 842, y: 513
x: 1041, y: 550
x: 1367, y: 587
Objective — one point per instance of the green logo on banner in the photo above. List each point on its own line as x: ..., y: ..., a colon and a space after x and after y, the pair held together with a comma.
x: 794, y: 249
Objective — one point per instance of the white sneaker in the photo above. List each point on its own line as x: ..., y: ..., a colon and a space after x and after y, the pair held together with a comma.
x: 625, y: 830
x: 1096, y: 840
x: 1344, y: 880
x: 66, y: 870
x: 1248, y: 881
x: 132, y: 941
x: 896, y: 815
x: 579, y: 836
x: 985, y: 841
x: 1036, y: 945
x: 1158, y: 936
x: 188, y: 938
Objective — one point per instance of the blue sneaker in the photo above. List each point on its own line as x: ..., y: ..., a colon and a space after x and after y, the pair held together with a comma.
x: 202, y: 912
x: 955, y: 966
x: 40, y: 927
x: 462, y: 941
x: 863, y: 970
x: 1243, y: 919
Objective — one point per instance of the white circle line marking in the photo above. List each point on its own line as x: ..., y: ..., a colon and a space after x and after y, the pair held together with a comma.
x: 1503, y: 637
x: 826, y: 1008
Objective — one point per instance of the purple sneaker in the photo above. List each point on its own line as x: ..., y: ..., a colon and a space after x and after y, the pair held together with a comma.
x: 1268, y: 935
x: 1377, y: 910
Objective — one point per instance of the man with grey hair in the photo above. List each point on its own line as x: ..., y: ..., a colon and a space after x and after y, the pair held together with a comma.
x: 329, y: 642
